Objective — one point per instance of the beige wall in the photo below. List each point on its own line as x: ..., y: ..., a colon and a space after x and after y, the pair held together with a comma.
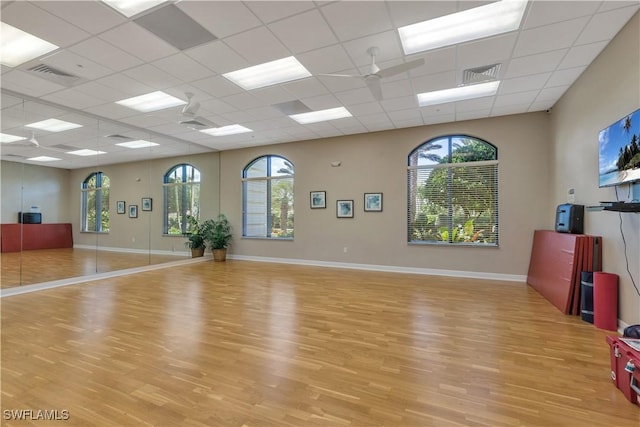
x: 25, y: 185
x: 376, y: 162
x: 133, y: 181
x: 607, y: 91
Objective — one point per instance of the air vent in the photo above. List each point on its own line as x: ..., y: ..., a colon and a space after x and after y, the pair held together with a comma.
x: 195, y: 124
x: 480, y: 74
x: 54, y: 75
x: 292, y: 107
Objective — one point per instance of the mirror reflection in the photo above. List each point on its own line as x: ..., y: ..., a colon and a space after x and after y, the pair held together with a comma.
x: 94, y: 196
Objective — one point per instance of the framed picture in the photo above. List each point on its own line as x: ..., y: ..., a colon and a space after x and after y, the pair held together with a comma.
x: 373, y: 202
x: 318, y: 199
x: 133, y: 211
x: 344, y: 208
x: 120, y: 207
x: 147, y: 203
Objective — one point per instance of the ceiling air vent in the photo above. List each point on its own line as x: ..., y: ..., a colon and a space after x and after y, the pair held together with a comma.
x: 54, y: 75
x: 65, y: 147
x: 198, y: 123
x: 120, y: 137
x: 480, y: 74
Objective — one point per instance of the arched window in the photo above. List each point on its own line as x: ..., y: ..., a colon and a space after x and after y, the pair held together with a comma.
x: 95, y: 203
x: 267, y: 198
x: 181, y: 186
x: 453, y: 192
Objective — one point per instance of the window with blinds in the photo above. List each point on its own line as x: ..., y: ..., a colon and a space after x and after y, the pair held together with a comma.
x: 267, y: 198
x: 453, y: 192
x: 181, y: 188
x: 95, y: 203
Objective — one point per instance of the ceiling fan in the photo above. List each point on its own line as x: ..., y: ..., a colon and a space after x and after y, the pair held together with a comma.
x: 375, y: 74
x: 190, y: 119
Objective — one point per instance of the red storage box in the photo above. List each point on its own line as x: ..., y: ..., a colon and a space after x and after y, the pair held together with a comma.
x: 625, y: 368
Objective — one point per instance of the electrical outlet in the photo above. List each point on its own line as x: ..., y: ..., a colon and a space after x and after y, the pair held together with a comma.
x: 572, y: 195
x: 345, y: 249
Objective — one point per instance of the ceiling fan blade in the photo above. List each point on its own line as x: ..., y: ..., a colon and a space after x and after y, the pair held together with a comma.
x: 397, y: 69
x: 373, y: 83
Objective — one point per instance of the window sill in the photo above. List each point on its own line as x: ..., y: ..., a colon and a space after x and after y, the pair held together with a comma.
x: 94, y: 232
x: 274, y: 239
x: 455, y: 245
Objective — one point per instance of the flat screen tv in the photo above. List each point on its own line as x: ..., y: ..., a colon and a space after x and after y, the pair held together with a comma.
x: 619, y: 151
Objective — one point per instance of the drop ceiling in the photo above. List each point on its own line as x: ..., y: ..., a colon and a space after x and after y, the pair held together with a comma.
x: 112, y: 57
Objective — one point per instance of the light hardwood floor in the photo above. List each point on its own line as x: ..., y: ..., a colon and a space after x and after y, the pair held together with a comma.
x: 256, y: 344
x: 45, y: 265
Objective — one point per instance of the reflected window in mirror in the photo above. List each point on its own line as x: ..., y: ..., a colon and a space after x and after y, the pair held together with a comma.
x: 95, y: 203
x: 181, y: 198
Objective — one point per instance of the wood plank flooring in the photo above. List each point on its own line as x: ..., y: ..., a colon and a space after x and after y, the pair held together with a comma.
x: 29, y: 267
x: 257, y: 344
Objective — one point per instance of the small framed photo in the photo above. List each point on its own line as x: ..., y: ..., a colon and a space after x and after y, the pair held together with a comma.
x: 133, y: 211
x: 120, y: 207
x: 344, y: 208
x: 318, y: 199
x: 373, y: 202
x: 147, y: 203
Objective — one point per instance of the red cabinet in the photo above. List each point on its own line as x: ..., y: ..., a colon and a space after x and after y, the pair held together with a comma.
x: 625, y: 369
x: 35, y: 236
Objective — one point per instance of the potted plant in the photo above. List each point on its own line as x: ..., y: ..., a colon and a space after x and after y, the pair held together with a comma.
x: 217, y: 232
x: 195, y: 237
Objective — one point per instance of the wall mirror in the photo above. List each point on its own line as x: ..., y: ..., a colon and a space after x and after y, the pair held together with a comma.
x: 88, y: 196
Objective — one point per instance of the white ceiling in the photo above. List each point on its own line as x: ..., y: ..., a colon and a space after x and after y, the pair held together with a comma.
x: 116, y: 59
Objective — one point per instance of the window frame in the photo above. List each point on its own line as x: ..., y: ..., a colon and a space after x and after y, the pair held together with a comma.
x: 183, y: 196
x: 450, y: 166
x: 268, y: 179
x: 99, y: 197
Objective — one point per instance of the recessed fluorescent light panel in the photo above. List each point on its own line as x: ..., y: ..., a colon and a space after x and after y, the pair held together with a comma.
x: 53, y: 125
x: 139, y: 143
x: 44, y: 159
x: 484, y: 21
x: 153, y: 101
x: 226, y: 130
x: 132, y: 7
x: 18, y: 47
x: 458, y: 94
x: 269, y: 73
x: 321, y: 116
x: 6, y: 138
x: 86, y: 152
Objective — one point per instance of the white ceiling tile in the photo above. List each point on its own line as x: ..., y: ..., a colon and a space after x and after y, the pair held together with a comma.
x: 477, y: 104
x: 40, y: 23
x: 217, y: 86
x: 605, y: 25
x: 105, y: 54
x: 110, y: 111
x: 264, y: 113
x: 353, y: 19
x: 92, y: 16
x: 396, y: 88
x: 486, y: 52
x: 273, y: 10
x: 243, y: 101
x: 438, y: 118
x: 403, y: 115
x: 523, y: 84
x: 28, y: 84
x: 411, y: 12
x: 473, y: 115
x: 433, y: 82
x: 565, y: 77
x: 541, y: 106
x: 273, y: 94
x: 355, y: 96
x: 435, y: 61
x: 138, y: 42
x: 387, y: 43
x: 269, y: 48
x: 216, y: 106
x: 510, y: 109
x: 102, y: 92
x: 366, y: 109
x: 75, y: 64
x: 399, y: 103
x: 152, y: 76
x: 542, y: 13
x: 515, y: 98
x: 549, y: 37
x: 218, y: 57
x: 221, y: 18
x: 73, y: 98
x: 305, y: 88
x: 316, y: 33
x: 551, y: 93
x: 534, y: 64
x: 125, y: 84
x: 615, y: 4
x: 438, y: 110
x: 322, y: 102
x: 326, y: 60
x: 183, y: 67
x: 338, y: 84
x: 582, y: 55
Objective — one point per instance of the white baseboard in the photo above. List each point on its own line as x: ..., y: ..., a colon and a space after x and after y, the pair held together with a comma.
x: 386, y: 268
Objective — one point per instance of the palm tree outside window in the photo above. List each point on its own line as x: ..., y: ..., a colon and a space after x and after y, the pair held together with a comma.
x: 95, y: 203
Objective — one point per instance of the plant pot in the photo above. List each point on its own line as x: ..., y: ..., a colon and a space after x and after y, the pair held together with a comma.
x: 219, y: 255
x: 197, y: 252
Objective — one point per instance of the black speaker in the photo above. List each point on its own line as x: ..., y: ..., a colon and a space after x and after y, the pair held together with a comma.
x: 586, y: 298
x: 29, y: 218
x: 570, y: 219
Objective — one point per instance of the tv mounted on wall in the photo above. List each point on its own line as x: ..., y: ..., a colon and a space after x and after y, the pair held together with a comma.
x: 619, y: 151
